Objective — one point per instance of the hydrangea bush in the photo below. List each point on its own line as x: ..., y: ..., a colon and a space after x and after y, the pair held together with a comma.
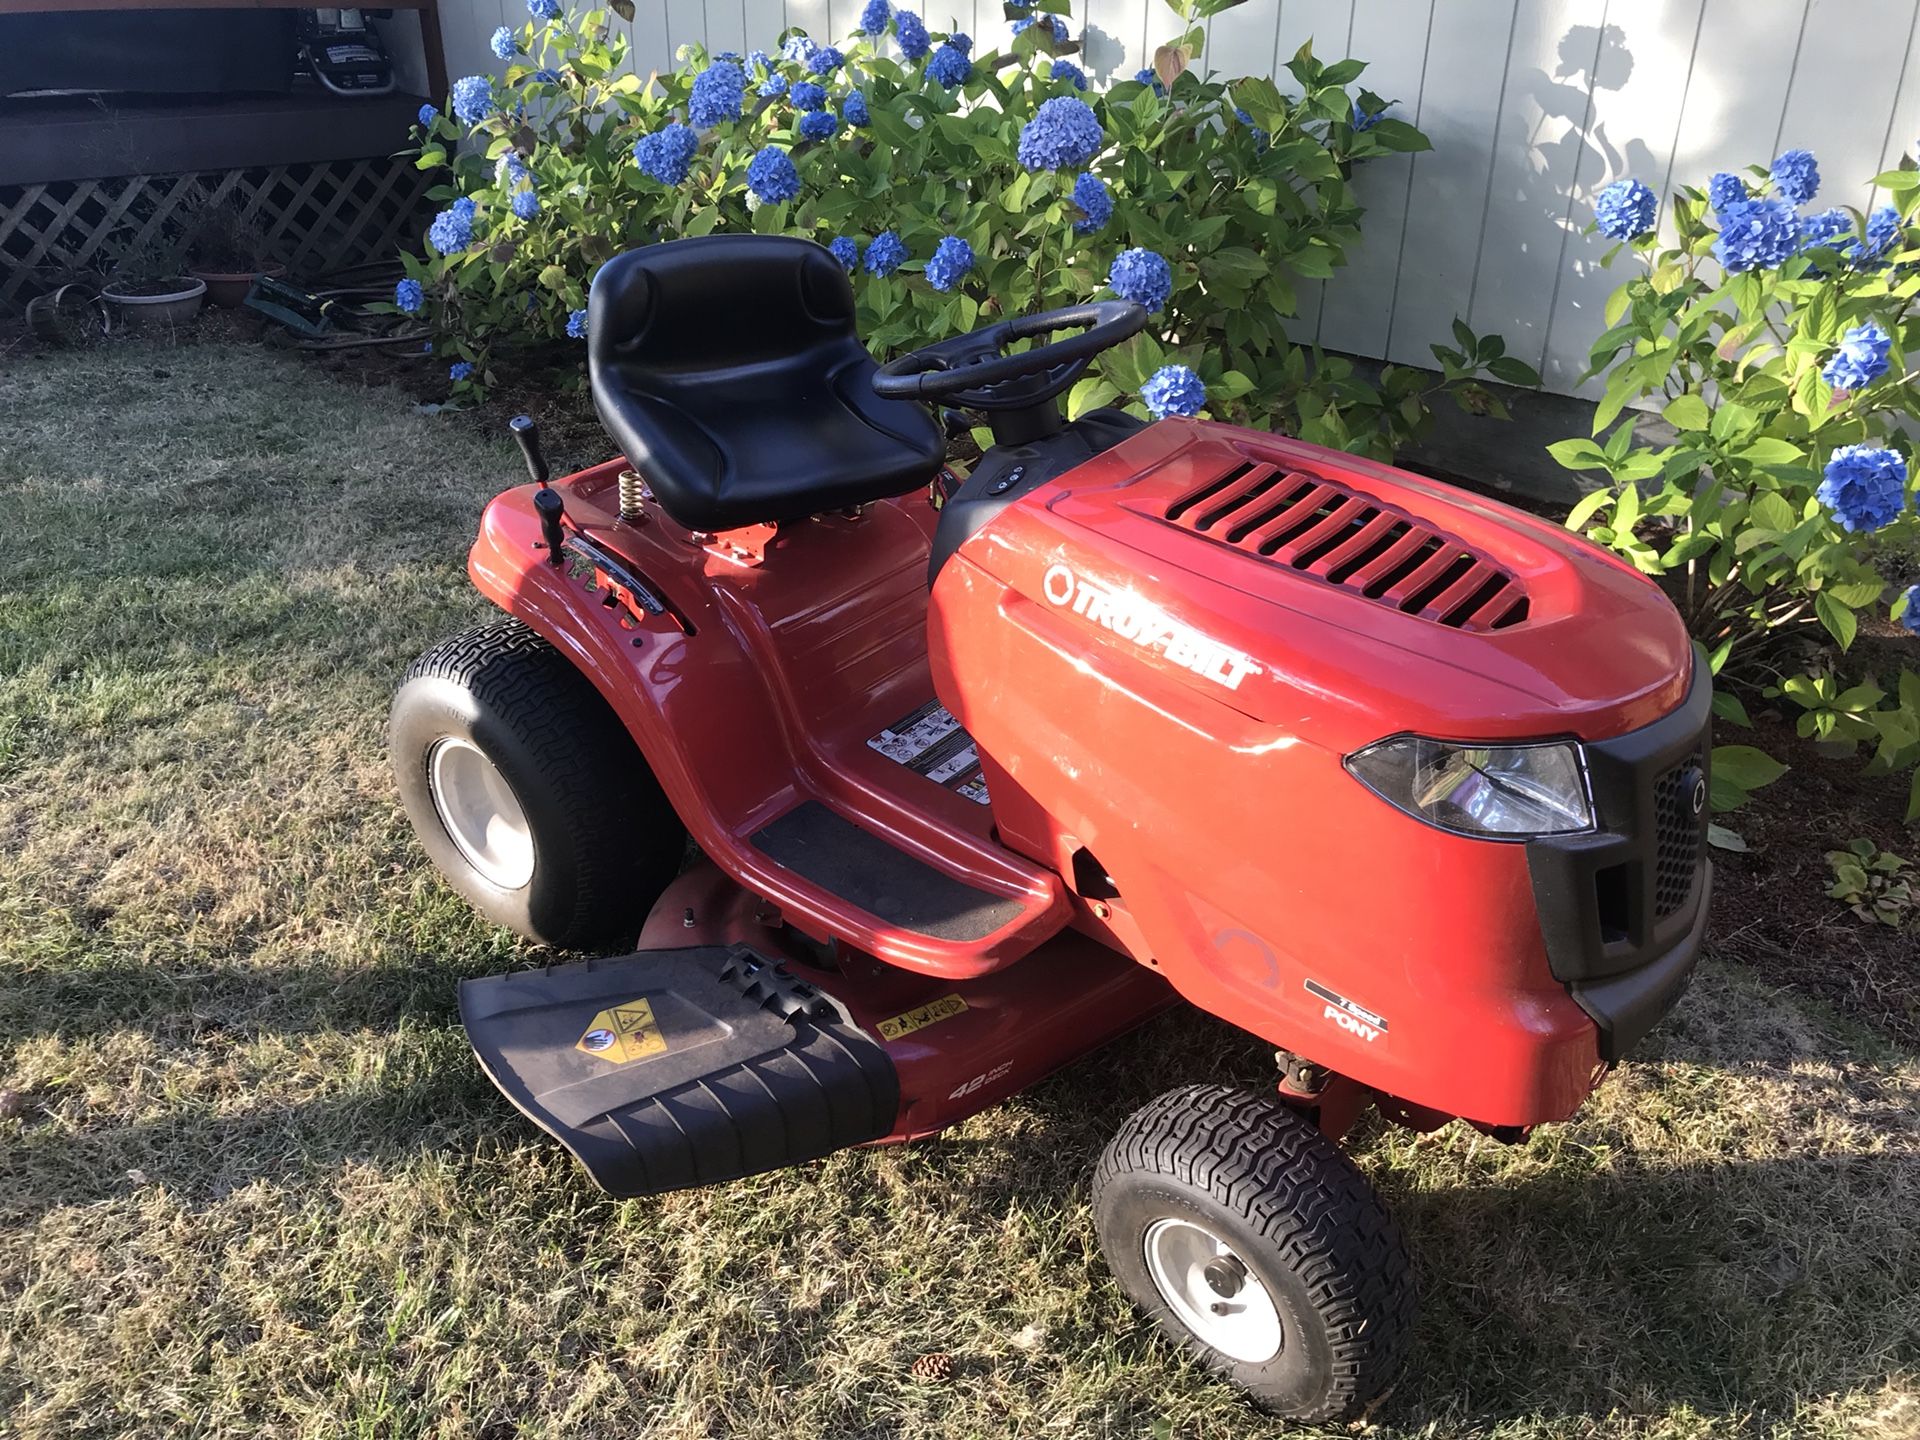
x: 1773, y: 340
x: 958, y: 181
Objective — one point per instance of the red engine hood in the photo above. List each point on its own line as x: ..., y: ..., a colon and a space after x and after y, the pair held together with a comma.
x: 1338, y: 598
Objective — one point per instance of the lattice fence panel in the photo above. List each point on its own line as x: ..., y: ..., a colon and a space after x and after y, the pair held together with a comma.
x: 316, y: 217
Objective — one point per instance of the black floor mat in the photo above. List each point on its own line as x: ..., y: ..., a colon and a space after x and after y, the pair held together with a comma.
x: 866, y: 871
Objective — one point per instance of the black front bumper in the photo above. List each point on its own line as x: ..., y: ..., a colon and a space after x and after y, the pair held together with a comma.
x: 1623, y: 908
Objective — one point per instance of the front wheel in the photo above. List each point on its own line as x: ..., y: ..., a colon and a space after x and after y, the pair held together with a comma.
x: 1255, y: 1242
x: 528, y: 793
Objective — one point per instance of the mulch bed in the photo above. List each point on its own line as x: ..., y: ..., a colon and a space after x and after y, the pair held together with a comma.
x: 1771, y: 910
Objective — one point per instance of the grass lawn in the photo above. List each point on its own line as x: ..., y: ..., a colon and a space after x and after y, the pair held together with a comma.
x: 258, y: 1186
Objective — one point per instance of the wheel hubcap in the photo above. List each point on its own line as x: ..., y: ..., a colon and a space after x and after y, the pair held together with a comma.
x: 1211, y: 1289
x: 481, y: 813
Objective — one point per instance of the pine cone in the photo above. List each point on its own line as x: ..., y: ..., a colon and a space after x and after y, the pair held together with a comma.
x: 933, y: 1368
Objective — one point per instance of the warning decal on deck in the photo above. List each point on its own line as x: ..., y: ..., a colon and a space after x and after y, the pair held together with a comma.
x: 931, y: 1013
x: 623, y: 1032
x: 930, y: 742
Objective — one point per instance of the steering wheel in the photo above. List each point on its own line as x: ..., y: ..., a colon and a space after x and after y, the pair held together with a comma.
x: 974, y: 372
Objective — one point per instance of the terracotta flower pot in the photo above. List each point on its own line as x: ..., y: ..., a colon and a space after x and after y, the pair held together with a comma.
x: 175, y: 307
x: 228, y: 288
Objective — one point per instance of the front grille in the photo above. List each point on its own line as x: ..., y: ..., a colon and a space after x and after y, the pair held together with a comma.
x: 1677, y: 838
x: 1322, y: 529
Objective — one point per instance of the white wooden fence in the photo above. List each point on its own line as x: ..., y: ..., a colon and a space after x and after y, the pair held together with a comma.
x: 1532, y: 105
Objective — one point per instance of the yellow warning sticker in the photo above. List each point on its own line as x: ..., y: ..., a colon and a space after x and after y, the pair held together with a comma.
x: 623, y: 1032
x: 931, y: 1013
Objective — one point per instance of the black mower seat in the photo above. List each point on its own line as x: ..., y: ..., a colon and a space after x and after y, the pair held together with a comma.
x: 728, y: 371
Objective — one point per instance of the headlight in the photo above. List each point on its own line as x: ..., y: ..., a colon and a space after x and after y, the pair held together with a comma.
x: 1496, y: 790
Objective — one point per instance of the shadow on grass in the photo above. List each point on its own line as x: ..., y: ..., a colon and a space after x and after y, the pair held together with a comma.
x: 1731, y: 1288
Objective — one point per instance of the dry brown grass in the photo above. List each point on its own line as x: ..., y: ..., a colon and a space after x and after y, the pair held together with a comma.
x: 260, y: 1187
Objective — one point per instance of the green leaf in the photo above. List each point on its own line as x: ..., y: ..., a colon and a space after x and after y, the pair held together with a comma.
x: 1090, y: 393
x: 1589, y: 504
x: 1514, y: 371
x: 1841, y: 622
x: 1728, y: 707
x: 1578, y: 454
x: 1771, y: 451
x: 1745, y: 767
x: 1688, y: 412
x: 1722, y: 838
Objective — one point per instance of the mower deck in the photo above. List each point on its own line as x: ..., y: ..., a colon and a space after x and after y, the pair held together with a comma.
x: 724, y: 1052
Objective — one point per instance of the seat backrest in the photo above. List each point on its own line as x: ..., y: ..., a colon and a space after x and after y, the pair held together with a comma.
x: 719, y: 303
x: 729, y: 371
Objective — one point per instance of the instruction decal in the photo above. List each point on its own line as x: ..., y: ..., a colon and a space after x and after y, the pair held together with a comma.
x: 1353, y: 1018
x: 931, y: 1013
x: 623, y: 1033
x: 930, y: 742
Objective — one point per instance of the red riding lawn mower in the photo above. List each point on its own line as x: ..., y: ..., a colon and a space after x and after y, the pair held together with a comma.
x: 980, y: 785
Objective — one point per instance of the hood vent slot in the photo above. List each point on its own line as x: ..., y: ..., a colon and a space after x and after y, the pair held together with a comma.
x: 1321, y: 529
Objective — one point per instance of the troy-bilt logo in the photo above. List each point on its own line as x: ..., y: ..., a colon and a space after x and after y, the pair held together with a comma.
x: 1147, y: 626
x: 1354, y: 1019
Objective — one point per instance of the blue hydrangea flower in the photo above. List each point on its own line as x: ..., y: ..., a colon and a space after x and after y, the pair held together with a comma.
x: 427, y: 116
x: 854, y: 110
x: 1865, y: 487
x: 1053, y: 23
x: 1174, y: 390
x: 1883, y: 228
x: 550, y: 76
x: 885, y: 254
x: 911, y: 31
x: 1825, y: 230
x: 808, y: 96
x: 873, y: 19
x: 1796, y: 176
x: 511, y: 171
x: 798, y: 50
x: 1145, y: 76
x: 472, y: 99
x: 524, y: 204
x: 410, y: 297
x: 825, y: 60
x: 759, y: 60
x: 459, y: 370
x: 774, y: 84
x: 667, y: 154
x: 1063, y: 135
x: 1726, y: 189
x: 452, y: 228
x: 771, y: 176
x: 544, y: 9
x: 1862, y: 358
x: 819, y: 125
x: 1090, y: 194
x: 950, y: 66
x: 502, y: 43
x: 1624, y: 209
x: 1260, y: 137
x: 1910, y: 617
x: 1141, y: 276
x: 1363, y: 122
x: 1756, y: 235
x: 846, y: 251
x: 952, y: 259
x: 717, y: 95
x: 576, y: 324
x: 962, y: 43
x: 1067, y: 70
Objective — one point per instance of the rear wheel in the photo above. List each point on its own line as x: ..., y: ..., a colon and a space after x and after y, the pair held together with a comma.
x: 528, y: 793
x: 1255, y: 1242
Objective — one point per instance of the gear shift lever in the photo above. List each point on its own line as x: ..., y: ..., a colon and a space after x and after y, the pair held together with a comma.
x: 545, y: 500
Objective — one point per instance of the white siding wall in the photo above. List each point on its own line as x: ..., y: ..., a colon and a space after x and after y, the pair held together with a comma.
x: 1532, y: 105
